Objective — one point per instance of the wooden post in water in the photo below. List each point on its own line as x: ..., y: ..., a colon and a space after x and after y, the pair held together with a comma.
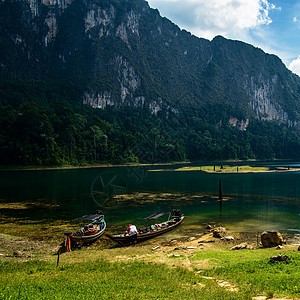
x: 220, y: 196
x: 220, y: 191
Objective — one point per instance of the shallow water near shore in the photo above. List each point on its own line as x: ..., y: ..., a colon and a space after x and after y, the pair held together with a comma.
x: 251, y: 202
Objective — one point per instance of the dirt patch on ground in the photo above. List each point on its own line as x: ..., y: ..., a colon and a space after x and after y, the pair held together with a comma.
x: 19, y: 248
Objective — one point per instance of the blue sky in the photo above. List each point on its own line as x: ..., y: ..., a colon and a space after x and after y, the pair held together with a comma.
x: 272, y: 25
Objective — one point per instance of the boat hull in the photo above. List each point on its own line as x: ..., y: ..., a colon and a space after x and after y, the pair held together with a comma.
x: 87, y: 239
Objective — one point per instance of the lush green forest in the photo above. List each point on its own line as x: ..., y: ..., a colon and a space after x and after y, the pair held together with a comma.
x: 41, y: 124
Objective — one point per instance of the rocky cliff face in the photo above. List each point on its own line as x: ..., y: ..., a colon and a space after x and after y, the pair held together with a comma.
x: 261, y: 95
x: 125, y: 53
x: 37, y: 6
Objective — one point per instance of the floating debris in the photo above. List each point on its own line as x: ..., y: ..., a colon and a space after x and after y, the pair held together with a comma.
x: 153, y: 249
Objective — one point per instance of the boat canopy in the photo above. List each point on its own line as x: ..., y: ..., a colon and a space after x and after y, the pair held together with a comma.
x: 97, y: 216
x: 155, y: 216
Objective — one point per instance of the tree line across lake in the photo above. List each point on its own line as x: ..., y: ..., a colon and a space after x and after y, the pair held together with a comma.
x: 36, y: 131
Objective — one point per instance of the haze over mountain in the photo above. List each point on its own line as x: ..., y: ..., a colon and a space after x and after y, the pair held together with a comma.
x: 95, y: 55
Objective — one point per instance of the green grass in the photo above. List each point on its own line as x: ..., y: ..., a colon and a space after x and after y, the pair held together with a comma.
x: 253, y: 270
x: 250, y: 271
x: 225, y: 169
x: 104, y: 280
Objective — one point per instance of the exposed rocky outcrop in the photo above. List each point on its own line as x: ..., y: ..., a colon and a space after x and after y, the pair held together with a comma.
x: 262, y: 92
x: 280, y: 257
x: 219, y: 232
x: 36, y: 6
x: 242, y: 246
x: 241, y: 124
x: 100, y: 20
x: 271, y: 238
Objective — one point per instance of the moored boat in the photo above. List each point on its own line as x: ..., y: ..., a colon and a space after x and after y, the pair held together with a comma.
x: 87, y: 234
x: 153, y: 230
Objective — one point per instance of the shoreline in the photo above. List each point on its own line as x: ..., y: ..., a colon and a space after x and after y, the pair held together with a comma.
x: 191, y: 168
x: 246, y: 169
x: 44, y: 168
x: 14, y: 245
x: 198, y: 252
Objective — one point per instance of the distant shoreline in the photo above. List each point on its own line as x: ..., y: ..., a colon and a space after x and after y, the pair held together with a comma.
x: 225, y: 169
x: 205, y: 168
x: 237, y: 169
x: 44, y: 168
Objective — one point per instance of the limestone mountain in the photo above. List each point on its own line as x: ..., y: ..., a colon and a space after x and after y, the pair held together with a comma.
x: 122, y: 53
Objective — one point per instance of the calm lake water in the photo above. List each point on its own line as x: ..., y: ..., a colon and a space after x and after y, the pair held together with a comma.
x: 252, y: 202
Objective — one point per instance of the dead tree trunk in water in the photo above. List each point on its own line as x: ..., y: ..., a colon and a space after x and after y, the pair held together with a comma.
x: 220, y: 196
x: 220, y: 191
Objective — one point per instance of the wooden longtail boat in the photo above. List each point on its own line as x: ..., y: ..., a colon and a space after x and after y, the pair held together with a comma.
x: 151, y: 231
x: 89, y: 233
x: 89, y: 236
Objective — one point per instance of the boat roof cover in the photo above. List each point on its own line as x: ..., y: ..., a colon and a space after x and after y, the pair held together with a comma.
x: 90, y: 217
x: 156, y: 215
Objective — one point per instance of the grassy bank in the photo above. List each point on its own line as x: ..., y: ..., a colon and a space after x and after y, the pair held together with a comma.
x: 208, y: 168
x: 234, y: 169
x: 180, y: 264
x: 253, y: 270
x: 225, y: 275
x: 102, y: 280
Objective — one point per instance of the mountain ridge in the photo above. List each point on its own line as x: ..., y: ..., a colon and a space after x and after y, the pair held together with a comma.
x: 71, y: 29
x: 111, y: 53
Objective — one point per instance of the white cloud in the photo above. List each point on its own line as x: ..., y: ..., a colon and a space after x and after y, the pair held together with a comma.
x: 295, y: 66
x: 295, y: 20
x: 208, y: 18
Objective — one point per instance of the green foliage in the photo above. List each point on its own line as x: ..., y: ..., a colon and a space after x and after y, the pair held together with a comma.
x: 254, y: 268
x: 53, y: 130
